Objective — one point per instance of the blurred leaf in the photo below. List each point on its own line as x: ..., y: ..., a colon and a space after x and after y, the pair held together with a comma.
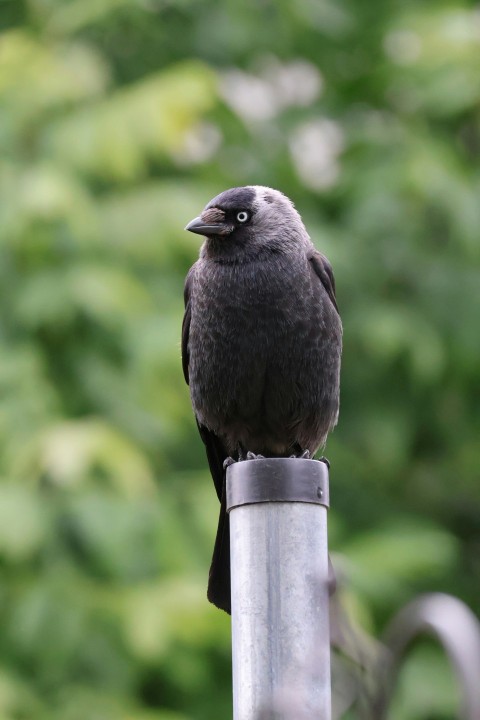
x: 35, y: 76
x: 438, y: 50
x: 427, y: 686
x: 20, y: 541
x: 382, y: 562
x: 115, y: 139
x: 71, y: 451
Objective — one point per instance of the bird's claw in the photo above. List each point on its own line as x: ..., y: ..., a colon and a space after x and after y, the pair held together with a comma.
x: 252, y: 456
x: 242, y: 457
x: 305, y: 455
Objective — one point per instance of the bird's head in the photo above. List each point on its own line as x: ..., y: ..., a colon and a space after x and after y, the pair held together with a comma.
x: 248, y: 219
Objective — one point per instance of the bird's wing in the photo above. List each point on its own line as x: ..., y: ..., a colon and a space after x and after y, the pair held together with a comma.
x: 216, y: 452
x: 323, y: 270
x: 219, y: 576
x: 186, y: 324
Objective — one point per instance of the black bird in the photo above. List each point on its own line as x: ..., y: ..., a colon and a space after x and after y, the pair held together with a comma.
x: 261, y: 342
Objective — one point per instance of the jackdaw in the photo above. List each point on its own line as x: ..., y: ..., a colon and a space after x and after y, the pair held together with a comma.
x: 261, y: 342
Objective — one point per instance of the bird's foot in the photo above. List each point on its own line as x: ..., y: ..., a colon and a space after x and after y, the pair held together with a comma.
x: 252, y: 456
x: 305, y: 455
x: 242, y: 456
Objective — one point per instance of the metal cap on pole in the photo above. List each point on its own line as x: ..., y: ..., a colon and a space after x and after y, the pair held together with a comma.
x: 280, y: 589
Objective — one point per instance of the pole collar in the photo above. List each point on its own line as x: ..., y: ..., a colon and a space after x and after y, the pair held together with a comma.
x: 277, y: 480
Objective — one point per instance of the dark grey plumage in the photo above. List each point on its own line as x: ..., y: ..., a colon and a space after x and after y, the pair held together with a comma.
x: 261, y: 341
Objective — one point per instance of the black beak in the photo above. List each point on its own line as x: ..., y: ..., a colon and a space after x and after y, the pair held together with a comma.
x: 200, y: 228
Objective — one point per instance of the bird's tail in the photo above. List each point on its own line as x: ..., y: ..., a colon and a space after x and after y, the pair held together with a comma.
x: 219, y: 577
x: 219, y: 592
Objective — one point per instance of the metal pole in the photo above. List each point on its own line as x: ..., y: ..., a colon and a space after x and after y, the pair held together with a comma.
x: 280, y: 599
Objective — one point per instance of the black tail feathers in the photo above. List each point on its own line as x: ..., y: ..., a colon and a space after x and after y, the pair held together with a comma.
x: 219, y: 577
x: 219, y: 592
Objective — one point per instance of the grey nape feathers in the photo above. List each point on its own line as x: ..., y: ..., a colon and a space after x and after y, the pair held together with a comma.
x: 261, y: 341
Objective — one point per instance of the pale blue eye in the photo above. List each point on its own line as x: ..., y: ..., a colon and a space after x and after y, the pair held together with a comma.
x: 242, y: 216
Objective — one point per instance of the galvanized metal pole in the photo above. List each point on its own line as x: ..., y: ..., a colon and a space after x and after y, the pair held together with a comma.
x: 280, y: 599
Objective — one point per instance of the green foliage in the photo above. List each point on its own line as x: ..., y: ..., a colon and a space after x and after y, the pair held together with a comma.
x: 119, y: 119
x: 426, y: 687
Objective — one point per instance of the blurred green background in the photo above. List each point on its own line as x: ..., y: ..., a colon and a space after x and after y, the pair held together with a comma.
x: 119, y: 120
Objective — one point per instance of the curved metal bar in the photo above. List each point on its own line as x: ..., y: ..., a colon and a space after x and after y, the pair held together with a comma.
x: 457, y: 629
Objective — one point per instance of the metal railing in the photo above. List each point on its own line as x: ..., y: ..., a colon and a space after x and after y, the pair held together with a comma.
x: 282, y: 618
x: 455, y: 627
